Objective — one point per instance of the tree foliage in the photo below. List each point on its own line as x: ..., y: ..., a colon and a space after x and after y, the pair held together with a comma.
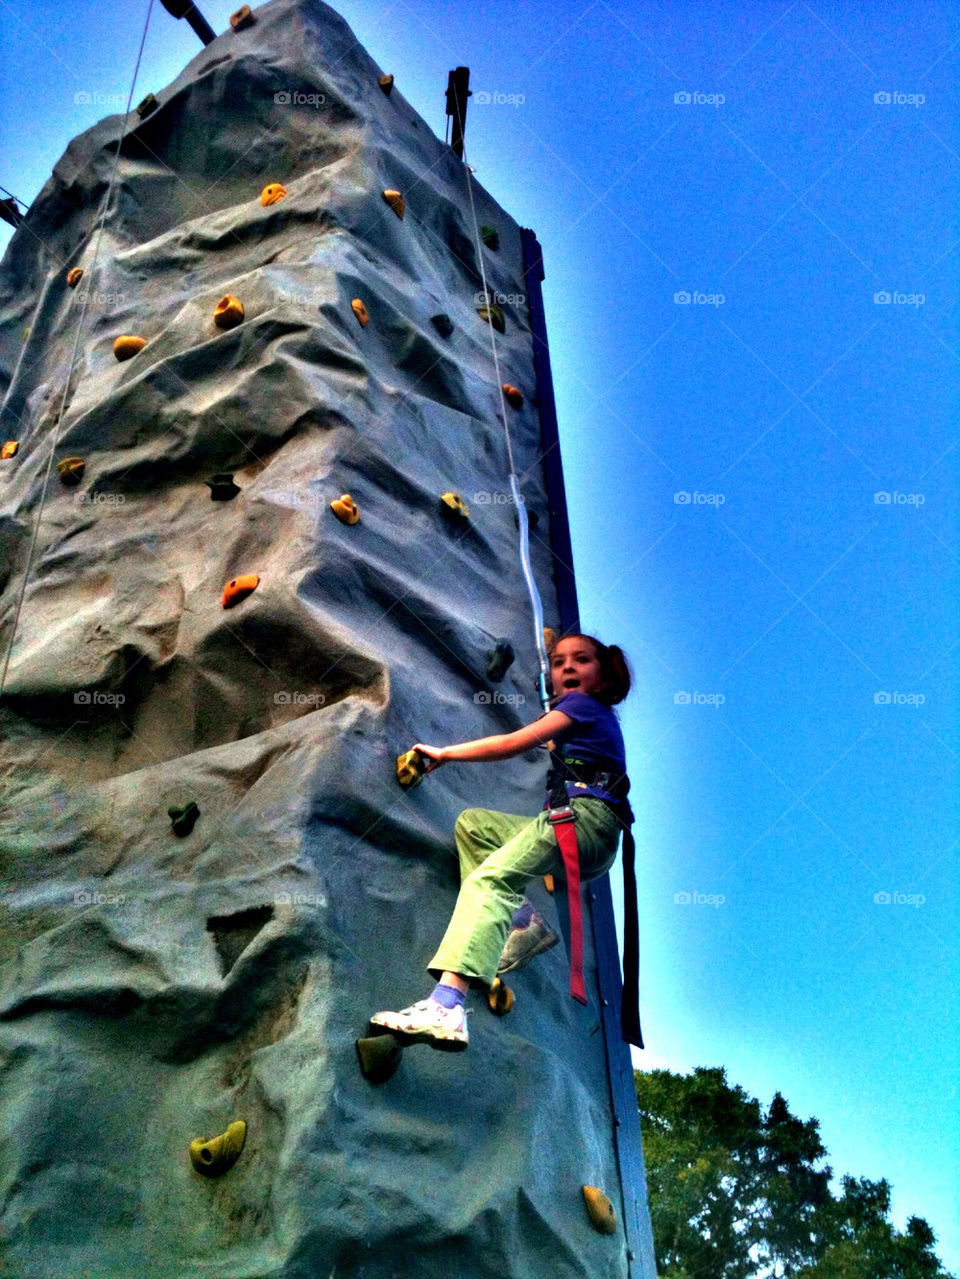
x: 735, y: 1192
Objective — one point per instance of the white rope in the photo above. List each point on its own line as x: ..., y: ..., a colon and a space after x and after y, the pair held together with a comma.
x: 73, y: 358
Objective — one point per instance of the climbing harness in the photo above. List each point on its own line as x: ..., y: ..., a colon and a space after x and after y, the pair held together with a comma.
x: 73, y: 356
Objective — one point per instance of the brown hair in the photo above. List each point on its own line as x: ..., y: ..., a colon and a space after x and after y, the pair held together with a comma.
x: 614, y: 669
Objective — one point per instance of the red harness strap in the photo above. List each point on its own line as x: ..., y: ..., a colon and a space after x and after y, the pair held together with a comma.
x: 563, y: 822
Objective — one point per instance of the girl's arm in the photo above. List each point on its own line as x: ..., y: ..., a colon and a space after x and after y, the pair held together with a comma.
x: 501, y: 745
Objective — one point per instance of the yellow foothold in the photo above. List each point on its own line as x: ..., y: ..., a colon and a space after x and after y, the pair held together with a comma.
x: 71, y: 470
x: 500, y: 998
x: 410, y: 769
x: 493, y: 315
x: 360, y: 311
x: 453, y: 506
x: 238, y: 588
x: 213, y: 1156
x: 9, y: 448
x: 345, y: 509
x: 74, y: 276
x: 147, y: 106
x: 127, y: 346
x: 395, y: 200
x: 386, y: 84
x: 513, y: 395
x: 272, y: 193
x: 228, y: 312
x: 242, y: 18
x: 601, y: 1210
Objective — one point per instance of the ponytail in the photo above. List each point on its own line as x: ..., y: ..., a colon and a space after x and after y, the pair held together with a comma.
x: 614, y: 668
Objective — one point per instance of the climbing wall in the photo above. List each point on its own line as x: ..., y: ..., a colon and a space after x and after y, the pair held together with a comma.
x: 210, y: 876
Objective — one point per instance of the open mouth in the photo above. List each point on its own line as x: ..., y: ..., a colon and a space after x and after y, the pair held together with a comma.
x: 571, y: 683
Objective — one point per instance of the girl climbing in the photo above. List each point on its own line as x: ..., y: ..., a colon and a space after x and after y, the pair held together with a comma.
x: 501, y: 852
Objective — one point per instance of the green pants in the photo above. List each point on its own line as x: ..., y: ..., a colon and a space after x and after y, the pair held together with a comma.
x: 499, y: 854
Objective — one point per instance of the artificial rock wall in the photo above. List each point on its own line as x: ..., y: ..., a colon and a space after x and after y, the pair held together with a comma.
x: 156, y: 987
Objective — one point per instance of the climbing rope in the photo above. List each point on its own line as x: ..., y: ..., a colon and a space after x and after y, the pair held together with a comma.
x: 536, y: 603
x: 73, y: 357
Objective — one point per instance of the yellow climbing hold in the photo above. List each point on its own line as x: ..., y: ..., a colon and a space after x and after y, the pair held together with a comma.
x: 410, y: 769
x: 345, y: 509
x: 272, y: 193
x: 71, y: 470
x: 9, y: 448
x: 493, y: 315
x: 242, y: 18
x: 454, y: 507
x: 213, y: 1156
x: 500, y: 998
x: 126, y: 346
x: 514, y: 396
x: 386, y: 84
x: 228, y: 312
x: 74, y: 276
x: 147, y: 106
x: 549, y: 637
x: 601, y: 1210
x: 238, y: 588
x: 549, y: 884
x: 360, y: 311
x: 395, y: 200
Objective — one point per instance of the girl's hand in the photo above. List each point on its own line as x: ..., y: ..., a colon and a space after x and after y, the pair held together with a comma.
x: 437, y: 755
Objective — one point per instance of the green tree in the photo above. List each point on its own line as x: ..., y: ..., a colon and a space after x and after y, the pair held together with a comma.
x: 735, y: 1192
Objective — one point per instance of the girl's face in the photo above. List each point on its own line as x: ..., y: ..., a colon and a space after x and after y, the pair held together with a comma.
x: 574, y: 667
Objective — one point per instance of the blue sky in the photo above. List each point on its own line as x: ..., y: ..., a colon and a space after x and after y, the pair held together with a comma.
x: 727, y: 461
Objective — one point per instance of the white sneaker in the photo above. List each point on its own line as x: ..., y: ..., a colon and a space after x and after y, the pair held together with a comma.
x: 425, y: 1022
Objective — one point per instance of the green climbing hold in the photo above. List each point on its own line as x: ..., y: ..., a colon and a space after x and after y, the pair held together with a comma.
x: 147, y: 106
x: 213, y: 1156
x: 499, y: 660
x: 222, y: 487
x: 184, y: 819
x: 443, y: 324
x: 493, y: 315
x: 490, y: 236
x: 410, y: 769
x: 379, y: 1057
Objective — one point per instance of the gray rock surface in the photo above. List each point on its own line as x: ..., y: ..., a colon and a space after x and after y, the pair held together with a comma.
x: 154, y: 988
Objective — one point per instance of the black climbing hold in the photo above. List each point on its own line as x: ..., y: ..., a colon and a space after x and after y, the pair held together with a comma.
x: 490, y: 236
x: 379, y: 1057
x: 499, y: 660
x: 147, y: 106
x: 184, y: 819
x: 443, y: 324
x: 222, y: 487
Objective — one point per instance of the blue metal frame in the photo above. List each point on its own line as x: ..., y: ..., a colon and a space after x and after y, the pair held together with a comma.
x: 623, y: 1096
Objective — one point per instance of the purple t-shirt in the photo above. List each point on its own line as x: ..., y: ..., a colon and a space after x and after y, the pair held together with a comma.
x: 595, y: 734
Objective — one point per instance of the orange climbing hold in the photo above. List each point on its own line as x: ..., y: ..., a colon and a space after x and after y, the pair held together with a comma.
x: 242, y: 18
x: 272, y: 193
x: 601, y: 1210
x: 345, y: 509
x: 514, y: 396
x: 395, y: 200
x: 360, y: 311
x: 126, y: 346
x: 549, y: 637
x: 74, y: 276
x: 386, y: 84
x: 71, y: 470
x: 238, y: 588
x: 9, y: 448
x: 228, y: 312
